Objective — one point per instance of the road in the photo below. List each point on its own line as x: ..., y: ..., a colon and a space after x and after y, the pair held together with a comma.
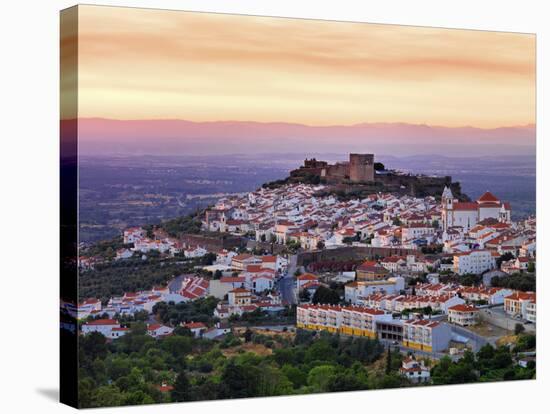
x: 286, y: 283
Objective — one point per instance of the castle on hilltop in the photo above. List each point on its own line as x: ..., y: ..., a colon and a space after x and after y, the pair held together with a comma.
x: 361, y: 176
x: 359, y: 169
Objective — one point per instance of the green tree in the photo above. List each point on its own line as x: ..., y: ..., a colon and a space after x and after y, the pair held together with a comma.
x: 326, y: 295
x: 247, y: 335
x: 182, y: 388
x: 320, y: 350
x: 182, y: 331
x: 319, y: 377
x: 304, y: 295
x: 208, y: 259
x: 388, y: 361
x: 525, y: 342
x: 271, y: 381
x: 137, y: 398
x: 93, y: 345
x: 178, y: 346
x: 85, y: 392
x: 238, y: 381
x: 503, y: 258
x: 297, y: 376
x: 107, y: 396
x: 519, y: 328
x: 344, y: 381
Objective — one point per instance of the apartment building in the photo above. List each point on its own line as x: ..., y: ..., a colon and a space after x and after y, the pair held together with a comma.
x: 516, y: 305
x: 349, y: 320
x: 420, y: 334
x: 474, y: 261
x: 531, y: 311
x: 426, y: 335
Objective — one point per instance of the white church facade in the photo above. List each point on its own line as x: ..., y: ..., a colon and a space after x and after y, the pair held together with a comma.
x: 467, y: 214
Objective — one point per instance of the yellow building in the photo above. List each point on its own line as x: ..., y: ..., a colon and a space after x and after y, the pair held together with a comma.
x: 426, y: 335
x: 348, y: 320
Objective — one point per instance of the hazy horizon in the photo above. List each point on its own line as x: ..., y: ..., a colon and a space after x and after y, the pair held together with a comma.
x: 98, y: 136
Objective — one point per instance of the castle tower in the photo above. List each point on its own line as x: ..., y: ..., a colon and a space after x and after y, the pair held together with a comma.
x: 361, y: 167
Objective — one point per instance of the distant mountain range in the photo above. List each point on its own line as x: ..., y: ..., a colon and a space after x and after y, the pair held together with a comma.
x: 171, y: 137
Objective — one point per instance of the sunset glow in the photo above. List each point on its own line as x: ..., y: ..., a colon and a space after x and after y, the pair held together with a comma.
x: 154, y: 64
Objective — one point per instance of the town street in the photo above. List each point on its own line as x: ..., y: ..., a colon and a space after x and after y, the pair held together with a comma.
x: 286, y: 284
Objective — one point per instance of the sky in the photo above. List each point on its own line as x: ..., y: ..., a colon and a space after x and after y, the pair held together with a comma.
x: 139, y: 64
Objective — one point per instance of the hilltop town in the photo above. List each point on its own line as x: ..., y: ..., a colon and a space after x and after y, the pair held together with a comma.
x: 429, y: 277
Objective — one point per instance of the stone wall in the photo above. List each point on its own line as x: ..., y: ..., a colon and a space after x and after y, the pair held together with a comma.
x: 351, y: 253
x: 213, y: 243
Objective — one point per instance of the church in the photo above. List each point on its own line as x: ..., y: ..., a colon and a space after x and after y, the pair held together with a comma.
x: 468, y: 214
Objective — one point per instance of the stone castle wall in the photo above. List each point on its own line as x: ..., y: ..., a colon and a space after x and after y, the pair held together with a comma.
x: 336, y: 172
x: 351, y: 253
x: 213, y: 242
x: 360, y: 168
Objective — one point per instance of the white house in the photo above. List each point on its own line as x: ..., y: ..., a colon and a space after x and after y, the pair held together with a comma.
x: 474, y: 261
x: 516, y: 305
x: 241, y: 261
x: 134, y: 234
x: 88, y: 307
x: 261, y: 282
x: 414, y: 370
x: 463, y: 315
x: 304, y: 279
x: 124, y: 254
x: 194, y: 252
x: 415, y: 231
x: 225, y: 256
x: 103, y: 326
x: 118, y: 332
x: 196, y: 328
x: 221, y: 287
x: 157, y: 330
x: 355, y: 291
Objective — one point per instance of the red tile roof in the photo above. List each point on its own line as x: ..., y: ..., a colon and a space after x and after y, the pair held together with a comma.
x: 306, y: 276
x: 465, y: 206
x: 195, y: 325
x: 103, y: 322
x: 165, y: 388
x: 240, y: 290
x: 521, y: 296
x: 232, y: 279
x: 463, y: 308
x: 488, y: 197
